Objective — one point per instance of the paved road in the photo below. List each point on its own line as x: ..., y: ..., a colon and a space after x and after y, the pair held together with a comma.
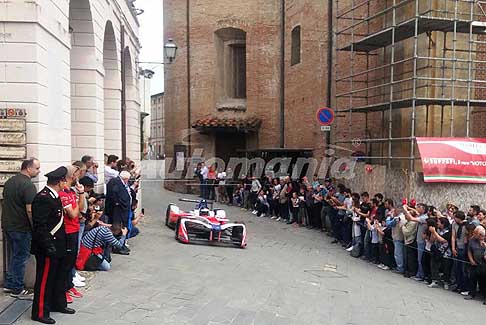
x: 287, y: 275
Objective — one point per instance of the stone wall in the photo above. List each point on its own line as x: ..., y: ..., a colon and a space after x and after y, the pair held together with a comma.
x: 399, y: 183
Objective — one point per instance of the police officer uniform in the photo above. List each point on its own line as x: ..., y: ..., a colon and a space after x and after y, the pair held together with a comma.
x: 49, y: 248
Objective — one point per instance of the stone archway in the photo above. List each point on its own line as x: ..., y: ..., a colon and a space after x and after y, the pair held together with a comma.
x: 132, y: 108
x: 111, y: 93
x: 86, y: 103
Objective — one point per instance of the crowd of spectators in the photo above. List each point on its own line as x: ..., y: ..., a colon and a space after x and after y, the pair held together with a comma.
x: 97, y: 221
x: 417, y: 240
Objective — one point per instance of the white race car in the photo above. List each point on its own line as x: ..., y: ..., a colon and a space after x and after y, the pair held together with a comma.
x: 204, y: 224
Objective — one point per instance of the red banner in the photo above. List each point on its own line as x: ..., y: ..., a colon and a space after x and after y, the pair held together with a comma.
x: 453, y: 160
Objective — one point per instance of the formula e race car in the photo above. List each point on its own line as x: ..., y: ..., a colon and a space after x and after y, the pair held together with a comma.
x: 204, y: 224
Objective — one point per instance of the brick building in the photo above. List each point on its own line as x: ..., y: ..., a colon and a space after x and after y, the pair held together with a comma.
x: 224, y: 91
x: 393, y: 71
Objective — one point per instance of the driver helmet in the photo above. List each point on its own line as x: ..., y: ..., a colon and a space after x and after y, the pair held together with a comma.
x: 204, y: 212
x: 203, y: 204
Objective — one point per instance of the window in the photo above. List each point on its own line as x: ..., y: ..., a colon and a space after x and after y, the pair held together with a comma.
x: 238, y: 77
x: 231, y: 64
x: 296, y: 45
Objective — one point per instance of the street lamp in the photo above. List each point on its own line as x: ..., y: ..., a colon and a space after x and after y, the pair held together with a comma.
x: 170, y: 52
x: 170, y: 49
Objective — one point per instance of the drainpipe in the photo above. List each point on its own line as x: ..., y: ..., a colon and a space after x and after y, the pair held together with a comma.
x: 282, y: 74
x: 188, y: 43
x: 123, y: 96
x: 330, y: 49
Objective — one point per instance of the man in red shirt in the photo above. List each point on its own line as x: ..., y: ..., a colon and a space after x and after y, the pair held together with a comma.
x: 72, y: 206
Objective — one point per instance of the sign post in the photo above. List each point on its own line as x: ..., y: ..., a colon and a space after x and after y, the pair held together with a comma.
x: 325, y: 117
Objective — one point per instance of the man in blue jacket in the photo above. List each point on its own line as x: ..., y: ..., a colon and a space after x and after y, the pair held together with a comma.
x: 119, y: 202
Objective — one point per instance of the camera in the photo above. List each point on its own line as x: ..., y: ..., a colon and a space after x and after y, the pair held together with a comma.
x: 147, y: 73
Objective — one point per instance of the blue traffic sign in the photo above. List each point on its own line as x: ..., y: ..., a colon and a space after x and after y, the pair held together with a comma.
x: 325, y: 116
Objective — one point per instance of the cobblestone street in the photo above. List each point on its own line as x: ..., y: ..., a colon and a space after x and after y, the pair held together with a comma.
x: 287, y: 275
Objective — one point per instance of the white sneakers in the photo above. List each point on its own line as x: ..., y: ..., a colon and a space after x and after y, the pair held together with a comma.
x: 79, y: 277
x: 349, y: 249
x: 383, y: 267
x: 78, y: 281
x: 434, y: 284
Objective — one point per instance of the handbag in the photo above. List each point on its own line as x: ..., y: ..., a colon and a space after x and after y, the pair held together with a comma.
x: 94, y: 261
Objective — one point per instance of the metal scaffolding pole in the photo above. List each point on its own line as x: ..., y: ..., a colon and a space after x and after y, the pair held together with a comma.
x: 351, y: 85
x: 454, y: 63
x: 469, y: 71
x: 414, y: 91
x: 392, y: 80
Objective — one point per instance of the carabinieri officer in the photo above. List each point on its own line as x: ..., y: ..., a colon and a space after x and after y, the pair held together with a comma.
x: 49, y: 248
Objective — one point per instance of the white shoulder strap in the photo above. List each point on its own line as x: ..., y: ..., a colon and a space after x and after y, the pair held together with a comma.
x: 58, y: 226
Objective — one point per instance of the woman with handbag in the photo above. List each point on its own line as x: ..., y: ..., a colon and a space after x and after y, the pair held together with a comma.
x: 90, y: 257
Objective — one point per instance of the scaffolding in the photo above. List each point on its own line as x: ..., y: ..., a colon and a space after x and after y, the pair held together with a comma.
x: 407, y: 68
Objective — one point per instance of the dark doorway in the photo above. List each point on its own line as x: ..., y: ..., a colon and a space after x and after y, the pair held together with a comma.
x: 229, y: 145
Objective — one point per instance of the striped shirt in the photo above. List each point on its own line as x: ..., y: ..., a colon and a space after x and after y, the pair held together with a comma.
x: 103, y: 236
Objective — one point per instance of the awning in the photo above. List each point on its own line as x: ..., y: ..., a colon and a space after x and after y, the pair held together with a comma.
x: 213, y: 123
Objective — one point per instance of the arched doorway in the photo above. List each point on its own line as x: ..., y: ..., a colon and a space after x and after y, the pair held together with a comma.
x: 86, y: 104
x: 131, y: 118
x: 111, y: 93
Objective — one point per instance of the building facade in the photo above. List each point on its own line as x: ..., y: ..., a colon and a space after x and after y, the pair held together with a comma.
x: 225, y: 95
x: 250, y: 77
x: 72, y: 65
x: 145, y: 119
x: 157, y: 125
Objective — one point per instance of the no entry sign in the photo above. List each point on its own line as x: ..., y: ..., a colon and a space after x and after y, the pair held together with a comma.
x: 325, y: 116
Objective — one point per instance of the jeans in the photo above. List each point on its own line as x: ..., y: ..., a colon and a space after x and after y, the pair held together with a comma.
x: 105, y: 265
x: 82, y: 225
x: 134, y: 232
x: 461, y: 280
x: 420, y: 248
x: 324, y: 213
x: 205, y: 190
x: 19, y: 243
x: 399, y: 248
x: 367, y: 245
x: 411, y: 259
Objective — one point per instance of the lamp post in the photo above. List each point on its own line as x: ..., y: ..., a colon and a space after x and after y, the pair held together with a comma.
x: 170, y: 49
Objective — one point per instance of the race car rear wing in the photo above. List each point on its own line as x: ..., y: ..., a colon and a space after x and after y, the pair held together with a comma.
x: 210, y: 203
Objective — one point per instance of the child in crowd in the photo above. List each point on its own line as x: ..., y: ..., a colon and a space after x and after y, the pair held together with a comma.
x: 303, y: 216
x: 295, y: 207
x: 375, y: 240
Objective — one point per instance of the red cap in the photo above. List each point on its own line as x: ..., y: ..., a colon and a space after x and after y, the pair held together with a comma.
x: 413, y: 203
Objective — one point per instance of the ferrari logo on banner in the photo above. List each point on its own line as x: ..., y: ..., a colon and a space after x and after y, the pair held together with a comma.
x: 453, y: 160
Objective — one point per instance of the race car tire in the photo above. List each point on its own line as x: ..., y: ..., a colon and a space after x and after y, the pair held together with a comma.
x: 167, y: 213
x: 237, y: 233
x: 178, y: 224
